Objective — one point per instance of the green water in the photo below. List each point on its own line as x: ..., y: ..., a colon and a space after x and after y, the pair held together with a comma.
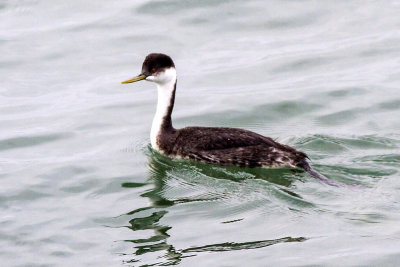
x: 80, y: 185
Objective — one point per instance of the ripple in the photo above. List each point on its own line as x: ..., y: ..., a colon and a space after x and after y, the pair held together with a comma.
x: 338, y: 144
x: 391, y: 159
x: 260, y: 114
x: 27, y: 141
x: 346, y: 92
x: 162, y: 8
x: 302, y: 64
x: 321, y: 143
x: 339, y: 117
x: 390, y: 105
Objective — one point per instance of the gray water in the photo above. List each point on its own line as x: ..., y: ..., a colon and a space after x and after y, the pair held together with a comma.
x: 80, y: 185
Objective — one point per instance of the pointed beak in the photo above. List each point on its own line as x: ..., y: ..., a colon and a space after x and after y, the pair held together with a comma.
x: 135, y: 79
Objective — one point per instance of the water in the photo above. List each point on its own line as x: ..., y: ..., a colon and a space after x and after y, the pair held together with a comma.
x: 80, y: 185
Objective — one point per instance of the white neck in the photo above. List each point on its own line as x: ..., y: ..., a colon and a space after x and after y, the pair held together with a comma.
x: 165, y: 89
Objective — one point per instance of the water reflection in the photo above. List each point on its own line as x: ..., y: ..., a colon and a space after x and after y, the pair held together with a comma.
x: 162, y: 170
x: 229, y: 246
x: 160, y: 165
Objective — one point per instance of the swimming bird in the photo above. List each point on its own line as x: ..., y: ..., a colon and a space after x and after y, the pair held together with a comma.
x: 218, y: 145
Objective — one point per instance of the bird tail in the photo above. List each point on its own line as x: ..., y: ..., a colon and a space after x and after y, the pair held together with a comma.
x: 304, y: 164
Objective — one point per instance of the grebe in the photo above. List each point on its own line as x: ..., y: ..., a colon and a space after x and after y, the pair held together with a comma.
x: 223, y: 146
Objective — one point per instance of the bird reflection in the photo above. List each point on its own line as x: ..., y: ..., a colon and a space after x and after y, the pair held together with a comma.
x: 148, y: 218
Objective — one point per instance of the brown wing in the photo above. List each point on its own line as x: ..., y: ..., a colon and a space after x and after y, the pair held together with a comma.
x: 234, y: 146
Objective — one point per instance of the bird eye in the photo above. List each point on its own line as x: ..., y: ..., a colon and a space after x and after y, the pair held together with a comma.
x: 153, y: 70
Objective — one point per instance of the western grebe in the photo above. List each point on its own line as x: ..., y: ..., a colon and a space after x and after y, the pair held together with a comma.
x: 223, y: 146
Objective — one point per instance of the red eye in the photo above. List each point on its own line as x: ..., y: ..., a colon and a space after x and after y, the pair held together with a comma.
x: 153, y: 70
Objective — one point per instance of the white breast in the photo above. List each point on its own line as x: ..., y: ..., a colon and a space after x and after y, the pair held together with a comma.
x: 165, y: 86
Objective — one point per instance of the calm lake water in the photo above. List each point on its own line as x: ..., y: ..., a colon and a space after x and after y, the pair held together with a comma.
x: 80, y: 185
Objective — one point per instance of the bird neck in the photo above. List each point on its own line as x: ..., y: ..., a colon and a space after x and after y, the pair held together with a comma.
x: 162, y: 122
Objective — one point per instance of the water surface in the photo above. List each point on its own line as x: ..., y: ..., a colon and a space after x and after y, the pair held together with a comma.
x: 80, y: 185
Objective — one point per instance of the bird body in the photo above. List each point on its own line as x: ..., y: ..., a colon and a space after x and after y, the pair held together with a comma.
x: 227, y: 146
x: 218, y: 145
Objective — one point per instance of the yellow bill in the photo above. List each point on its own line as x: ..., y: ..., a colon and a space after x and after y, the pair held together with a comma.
x: 137, y: 78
